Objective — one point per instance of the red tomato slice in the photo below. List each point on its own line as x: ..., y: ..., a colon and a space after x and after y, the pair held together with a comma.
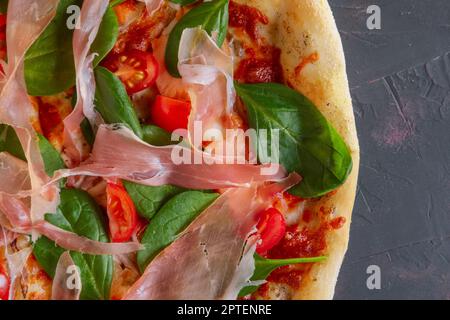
x: 2, y: 20
x: 4, y: 285
x: 137, y: 69
x: 271, y: 229
x: 170, y: 114
x: 121, y: 213
x: 2, y: 38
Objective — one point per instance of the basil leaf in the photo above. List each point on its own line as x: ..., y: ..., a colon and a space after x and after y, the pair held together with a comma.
x: 114, y: 3
x: 106, y: 36
x: 308, y: 144
x: 113, y: 102
x: 51, y: 157
x: 49, y: 63
x: 9, y: 142
x: 264, y: 267
x: 3, y: 6
x: 183, y: 2
x: 157, y: 136
x: 148, y: 200
x: 172, y: 219
x: 85, y: 126
x: 80, y: 214
x: 87, y: 131
x: 211, y: 16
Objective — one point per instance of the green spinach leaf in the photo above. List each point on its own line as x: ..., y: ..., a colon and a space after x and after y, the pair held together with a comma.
x: 114, y: 3
x: 183, y: 2
x: 3, y: 6
x: 148, y: 200
x: 80, y: 214
x: 112, y: 101
x: 308, y: 143
x: 211, y: 16
x: 85, y: 126
x: 9, y: 142
x: 264, y: 267
x: 49, y: 63
x: 106, y: 36
x: 157, y: 136
x: 51, y: 157
x: 172, y: 219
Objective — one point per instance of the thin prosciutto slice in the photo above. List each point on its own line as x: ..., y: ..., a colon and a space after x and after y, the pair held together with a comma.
x: 15, y: 214
x: 16, y: 261
x: 167, y: 85
x: 212, y: 258
x: 90, y: 18
x: 26, y: 21
x: 152, y: 5
x: 73, y: 242
x: 15, y: 185
x: 207, y: 70
x: 14, y: 172
x: 118, y: 153
x: 60, y: 286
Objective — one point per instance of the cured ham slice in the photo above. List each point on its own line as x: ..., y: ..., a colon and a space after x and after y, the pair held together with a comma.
x: 211, y: 259
x: 167, y: 85
x: 14, y: 174
x: 152, y: 5
x: 15, y: 214
x: 90, y: 18
x: 16, y: 261
x: 118, y: 153
x: 26, y: 21
x: 209, y: 73
x: 60, y: 286
x: 73, y: 242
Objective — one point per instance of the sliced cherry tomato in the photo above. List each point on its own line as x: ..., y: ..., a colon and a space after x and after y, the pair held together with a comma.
x: 137, y: 69
x: 2, y: 20
x: 121, y: 213
x: 4, y: 285
x: 2, y: 37
x: 170, y: 114
x: 271, y: 229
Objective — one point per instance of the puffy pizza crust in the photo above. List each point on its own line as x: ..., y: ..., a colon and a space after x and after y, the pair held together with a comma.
x: 301, y: 28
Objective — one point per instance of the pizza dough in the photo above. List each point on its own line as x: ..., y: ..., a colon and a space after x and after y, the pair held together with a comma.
x: 301, y: 28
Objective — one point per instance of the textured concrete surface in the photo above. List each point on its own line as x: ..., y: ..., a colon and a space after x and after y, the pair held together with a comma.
x: 400, y: 83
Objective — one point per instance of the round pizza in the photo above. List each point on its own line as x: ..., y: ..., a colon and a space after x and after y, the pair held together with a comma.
x: 173, y: 149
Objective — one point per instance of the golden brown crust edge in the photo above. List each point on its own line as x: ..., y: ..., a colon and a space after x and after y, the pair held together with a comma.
x: 301, y: 28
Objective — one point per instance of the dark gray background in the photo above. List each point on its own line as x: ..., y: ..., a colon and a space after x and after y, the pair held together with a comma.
x: 400, y: 83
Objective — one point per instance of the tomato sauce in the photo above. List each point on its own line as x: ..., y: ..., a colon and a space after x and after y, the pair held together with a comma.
x: 261, y: 67
x: 262, y: 62
x: 288, y: 275
x: 306, y: 241
x: 307, y: 216
x: 50, y: 120
x: 139, y: 34
x: 305, y: 61
x: 246, y: 18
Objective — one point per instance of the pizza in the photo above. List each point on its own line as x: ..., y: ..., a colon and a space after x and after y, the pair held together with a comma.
x: 173, y: 149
